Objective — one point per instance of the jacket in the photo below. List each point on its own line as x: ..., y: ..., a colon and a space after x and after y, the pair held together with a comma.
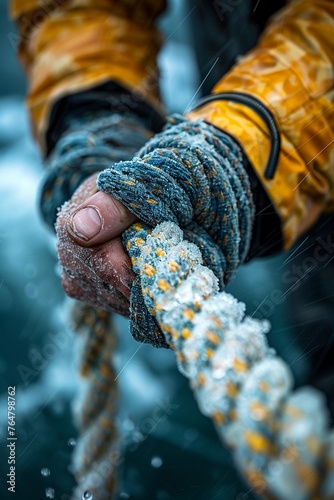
x: 69, y: 46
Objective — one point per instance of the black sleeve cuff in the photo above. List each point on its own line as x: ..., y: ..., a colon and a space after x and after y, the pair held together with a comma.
x: 267, y: 238
x: 109, y: 96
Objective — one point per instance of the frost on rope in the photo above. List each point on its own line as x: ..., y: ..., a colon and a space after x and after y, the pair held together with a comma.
x: 278, y: 437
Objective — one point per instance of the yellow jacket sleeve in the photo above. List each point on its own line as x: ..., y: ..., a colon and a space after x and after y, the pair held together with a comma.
x: 291, y: 72
x: 68, y: 46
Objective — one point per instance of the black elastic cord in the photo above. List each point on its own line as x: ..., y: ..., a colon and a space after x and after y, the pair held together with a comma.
x: 265, y: 113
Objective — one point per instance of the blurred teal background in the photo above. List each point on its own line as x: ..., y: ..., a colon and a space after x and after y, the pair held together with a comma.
x: 181, y: 458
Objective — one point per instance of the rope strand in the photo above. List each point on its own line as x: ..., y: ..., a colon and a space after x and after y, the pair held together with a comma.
x: 237, y: 379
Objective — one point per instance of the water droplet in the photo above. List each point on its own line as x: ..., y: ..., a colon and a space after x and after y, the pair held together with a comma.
x: 50, y: 493
x: 69, y: 272
x: 87, y: 495
x: 45, y: 472
x: 71, y: 442
x: 124, y: 495
x: 156, y: 462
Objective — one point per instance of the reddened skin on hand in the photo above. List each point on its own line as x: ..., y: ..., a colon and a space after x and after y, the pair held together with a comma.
x: 96, y: 269
x: 99, y: 219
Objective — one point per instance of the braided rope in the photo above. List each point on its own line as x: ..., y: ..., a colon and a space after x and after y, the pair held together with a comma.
x: 193, y: 176
x: 279, y: 438
x: 94, y: 141
x: 97, y: 451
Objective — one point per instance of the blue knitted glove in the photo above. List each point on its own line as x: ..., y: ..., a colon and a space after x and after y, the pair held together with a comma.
x: 195, y: 175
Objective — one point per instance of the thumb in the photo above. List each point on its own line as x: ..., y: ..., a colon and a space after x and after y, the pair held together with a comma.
x: 99, y: 219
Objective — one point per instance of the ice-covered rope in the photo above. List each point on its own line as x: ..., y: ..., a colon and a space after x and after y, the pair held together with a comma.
x: 279, y: 438
x: 194, y: 176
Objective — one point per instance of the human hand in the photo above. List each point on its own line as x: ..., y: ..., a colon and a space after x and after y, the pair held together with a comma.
x: 96, y: 269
